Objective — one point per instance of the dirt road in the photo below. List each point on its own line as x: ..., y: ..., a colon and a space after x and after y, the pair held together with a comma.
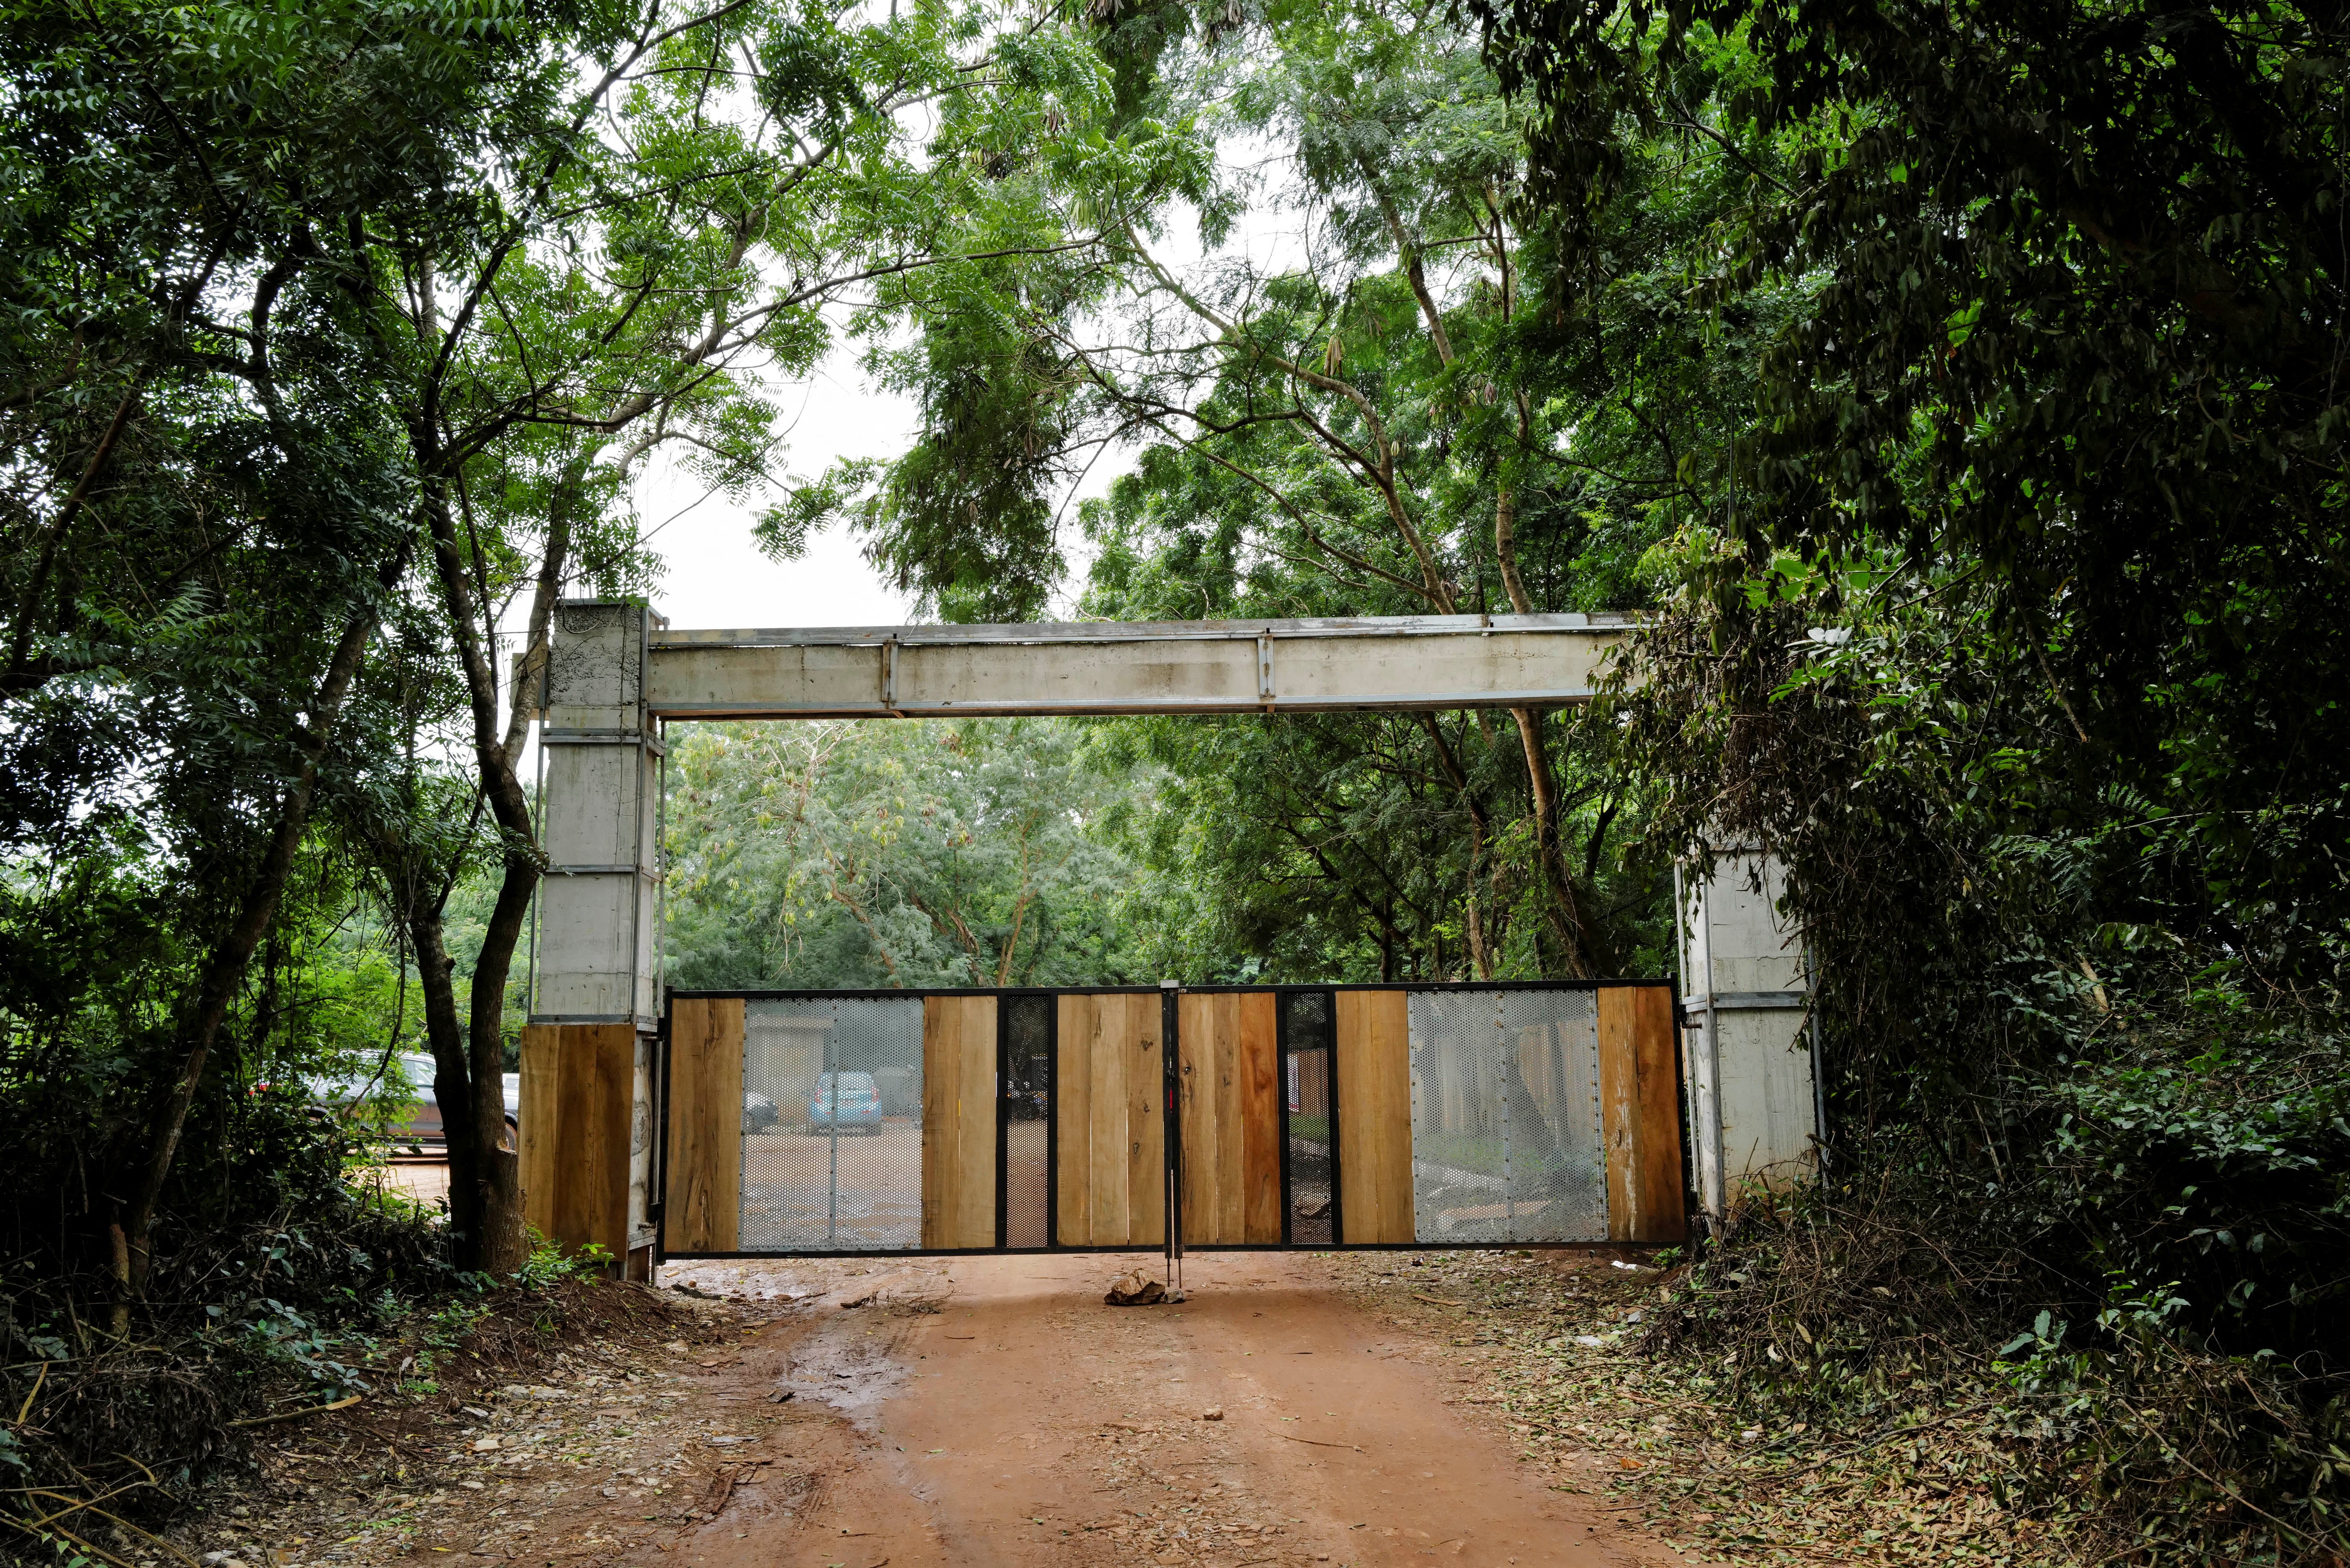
x: 1378, y: 1408
x: 994, y: 1411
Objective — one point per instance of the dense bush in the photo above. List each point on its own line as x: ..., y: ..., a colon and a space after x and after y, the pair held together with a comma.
x: 278, y: 1276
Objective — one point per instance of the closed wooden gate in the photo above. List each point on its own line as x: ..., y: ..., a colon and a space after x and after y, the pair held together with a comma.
x: 1229, y: 1108
x: 1110, y: 1122
x: 825, y: 1124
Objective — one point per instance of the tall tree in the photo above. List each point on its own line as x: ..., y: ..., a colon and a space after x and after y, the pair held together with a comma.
x: 1360, y: 418
x: 208, y: 515
x: 2075, y: 297
x: 652, y: 239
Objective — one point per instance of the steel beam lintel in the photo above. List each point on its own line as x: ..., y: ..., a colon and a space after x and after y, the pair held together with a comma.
x: 1414, y: 702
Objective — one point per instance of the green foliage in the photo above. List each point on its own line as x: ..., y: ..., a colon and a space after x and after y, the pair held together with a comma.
x: 923, y: 853
x: 2210, y: 1164
x: 1955, y: 386
x: 2073, y: 291
x: 2008, y: 622
x: 1387, y: 413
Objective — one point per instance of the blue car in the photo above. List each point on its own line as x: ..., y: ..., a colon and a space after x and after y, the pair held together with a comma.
x: 848, y: 1101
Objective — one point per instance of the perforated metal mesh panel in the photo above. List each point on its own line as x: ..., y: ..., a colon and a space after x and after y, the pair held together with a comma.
x: 1506, y: 1140
x: 1026, y: 1079
x: 832, y: 1124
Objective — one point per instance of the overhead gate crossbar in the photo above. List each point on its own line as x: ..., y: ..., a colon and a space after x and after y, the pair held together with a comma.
x: 910, y: 1123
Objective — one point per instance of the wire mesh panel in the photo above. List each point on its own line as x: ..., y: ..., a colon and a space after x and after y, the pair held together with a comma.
x: 1550, y: 1047
x: 1311, y: 1120
x: 1506, y: 1118
x: 832, y: 1124
x: 1027, y: 1093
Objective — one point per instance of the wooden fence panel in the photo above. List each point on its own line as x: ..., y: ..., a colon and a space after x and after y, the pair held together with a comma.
x: 1228, y: 1061
x: 958, y: 1122
x: 1640, y: 1115
x: 1374, y: 1052
x: 1111, y: 1131
x: 579, y: 1098
x: 703, y: 1186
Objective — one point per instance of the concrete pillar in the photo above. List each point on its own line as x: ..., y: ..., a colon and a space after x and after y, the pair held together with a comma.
x: 597, y: 941
x: 1750, y: 1054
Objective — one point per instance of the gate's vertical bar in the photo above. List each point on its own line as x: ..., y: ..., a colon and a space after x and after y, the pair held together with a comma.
x: 1170, y: 1049
x: 1337, y: 1149
x: 1003, y: 1010
x: 1280, y: 1058
x: 1052, y: 1122
x: 659, y: 1187
x: 1501, y: 1069
x: 832, y: 1126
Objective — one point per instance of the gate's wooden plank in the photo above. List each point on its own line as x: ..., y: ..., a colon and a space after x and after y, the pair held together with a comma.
x: 958, y: 1121
x: 1106, y: 1144
x: 975, y: 1115
x: 601, y: 1076
x: 1232, y: 1140
x: 536, y: 1143
x: 1195, y: 1029
x: 1073, y: 1110
x: 1204, y: 1025
x: 1146, y: 1122
x: 703, y: 1186
x: 1111, y: 1165
x: 579, y: 1098
x: 1374, y: 1035
x: 1260, y: 1117
x: 942, y: 1086
x: 1639, y: 1116
x: 1619, y: 1100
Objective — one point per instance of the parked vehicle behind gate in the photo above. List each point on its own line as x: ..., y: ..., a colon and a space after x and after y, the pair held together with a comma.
x: 414, y: 1129
x: 848, y: 1101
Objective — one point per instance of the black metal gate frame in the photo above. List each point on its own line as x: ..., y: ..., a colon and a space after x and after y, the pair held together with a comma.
x: 1169, y: 1017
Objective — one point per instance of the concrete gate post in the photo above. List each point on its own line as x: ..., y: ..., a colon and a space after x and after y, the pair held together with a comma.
x: 1750, y: 1054
x: 590, y: 1046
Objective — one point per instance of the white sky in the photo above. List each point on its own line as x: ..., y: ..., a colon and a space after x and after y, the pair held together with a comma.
x: 717, y: 578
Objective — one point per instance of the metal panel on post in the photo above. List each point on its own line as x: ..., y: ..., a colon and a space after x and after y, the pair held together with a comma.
x: 598, y: 916
x: 1751, y: 1074
x: 1506, y: 1143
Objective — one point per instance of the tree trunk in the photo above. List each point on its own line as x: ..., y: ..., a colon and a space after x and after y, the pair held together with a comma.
x: 1505, y: 548
x: 1481, y: 955
x: 504, y: 1246
x: 1578, y: 941
x: 224, y: 970
x: 444, y: 1032
x: 496, y: 1243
